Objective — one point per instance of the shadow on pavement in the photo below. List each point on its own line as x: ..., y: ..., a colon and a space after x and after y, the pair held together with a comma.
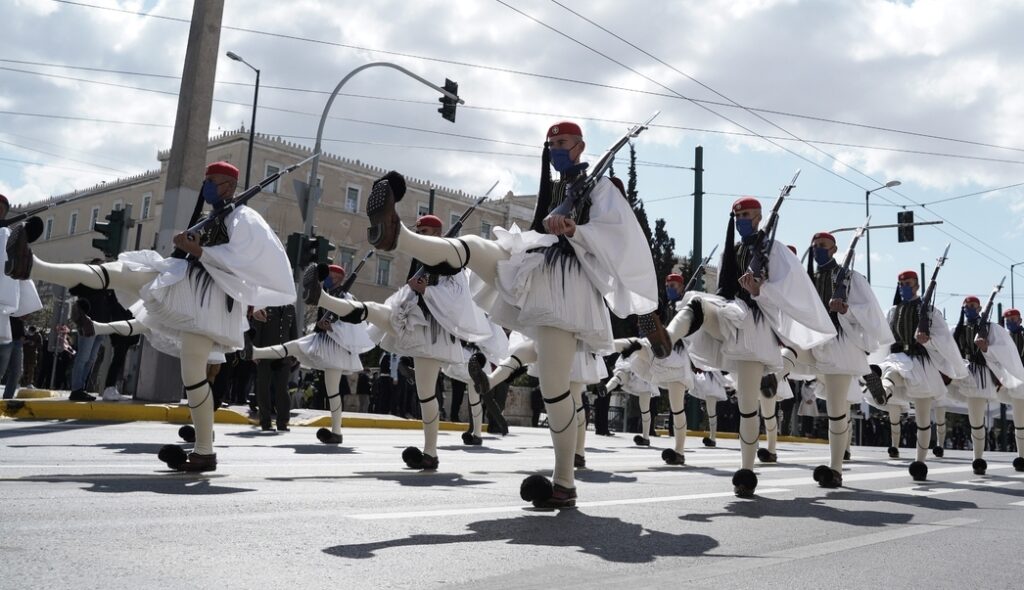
x: 591, y: 476
x: 610, y: 539
x: 319, y: 449
x: 821, y: 508
x: 481, y: 450
x: 165, y: 483
x: 407, y: 478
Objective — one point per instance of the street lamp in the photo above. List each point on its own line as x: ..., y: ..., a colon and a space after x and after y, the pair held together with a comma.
x: 252, y: 126
x: 867, y: 213
x: 1012, y: 304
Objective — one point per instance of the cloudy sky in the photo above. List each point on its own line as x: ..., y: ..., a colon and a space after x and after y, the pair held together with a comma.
x: 853, y: 93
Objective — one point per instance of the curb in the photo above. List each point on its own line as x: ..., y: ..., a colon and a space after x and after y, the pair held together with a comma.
x: 34, y: 408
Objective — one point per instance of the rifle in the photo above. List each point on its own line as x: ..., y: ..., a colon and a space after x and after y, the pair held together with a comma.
x: 841, y: 286
x: 242, y: 199
x: 345, y: 287
x: 30, y: 213
x: 927, y: 302
x: 580, y: 188
x: 699, y: 270
x: 453, y: 231
x: 766, y: 235
x: 987, y: 313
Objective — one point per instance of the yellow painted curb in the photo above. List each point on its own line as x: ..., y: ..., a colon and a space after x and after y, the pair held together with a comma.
x: 733, y: 436
x: 25, y: 393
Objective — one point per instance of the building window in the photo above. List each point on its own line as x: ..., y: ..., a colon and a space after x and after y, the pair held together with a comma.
x: 352, y: 199
x: 147, y: 200
x: 485, y: 230
x: 118, y: 205
x: 454, y: 219
x: 422, y: 210
x: 73, y: 222
x: 94, y: 216
x: 383, y: 272
x: 272, y: 169
x: 48, y: 232
x: 346, y: 258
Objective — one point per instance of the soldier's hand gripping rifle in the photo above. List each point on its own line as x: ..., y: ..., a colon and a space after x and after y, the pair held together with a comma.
x: 766, y: 235
x: 924, y: 324
x: 699, y: 270
x: 345, y: 287
x: 226, y: 208
x: 579, y: 191
x: 987, y: 312
x: 841, y: 286
x: 453, y: 232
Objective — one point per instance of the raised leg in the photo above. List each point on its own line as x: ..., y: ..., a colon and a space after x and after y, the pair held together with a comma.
x: 110, y: 275
x: 483, y: 254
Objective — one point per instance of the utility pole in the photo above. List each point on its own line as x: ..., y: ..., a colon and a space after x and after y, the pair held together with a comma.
x: 186, y: 167
x: 698, y: 213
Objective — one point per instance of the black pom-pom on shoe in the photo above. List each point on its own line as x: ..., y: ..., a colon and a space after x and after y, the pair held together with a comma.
x: 744, y: 482
x: 827, y: 477
x: 938, y: 451
x: 187, y: 433
x: 173, y: 455
x: 918, y: 471
x: 327, y: 437
x: 1018, y: 464
x: 765, y: 456
x: 536, y: 488
x: 709, y: 442
x: 671, y: 457
x: 641, y: 441
x: 412, y: 456
x: 471, y: 439
x: 894, y: 453
x: 979, y: 466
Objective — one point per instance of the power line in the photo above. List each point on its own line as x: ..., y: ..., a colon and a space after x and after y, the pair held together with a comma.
x: 483, y: 108
x: 681, y: 73
x: 24, y: 147
x: 674, y: 96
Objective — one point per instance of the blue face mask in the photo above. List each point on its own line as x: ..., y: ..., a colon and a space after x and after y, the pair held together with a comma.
x: 970, y: 314
x: 210, y: 194
x: 906, y: 292
x: 745, y: 227
x: 821, y: 256
x: 328, y: 283
x: 561, y: 160
x: 672, y: 294
x: 1014, y: 327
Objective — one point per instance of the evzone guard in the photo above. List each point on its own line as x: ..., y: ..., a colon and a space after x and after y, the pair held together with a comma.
x: 427, y: 319
x: 1015, y: 396
x: 758, y: 302
x: 553, y: 282
x: 992, y: 362
x: 626, y: 378
x: 333, y: 347
x: 913, y: 366
x: 476, y: 354
x: 838, y: 362
x: 194, y: 307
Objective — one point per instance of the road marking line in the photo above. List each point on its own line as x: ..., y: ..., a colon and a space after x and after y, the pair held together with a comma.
x: 521, y: 507
x: 1021, y: 503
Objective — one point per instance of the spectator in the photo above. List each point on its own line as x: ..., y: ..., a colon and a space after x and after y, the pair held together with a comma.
x: 458, y: 394
x: 272, y: 326
x: 808, y: 410
x: 364, y: 390
x: 65, y: 355
x: 12, y: 378
x: 32, y: 349
x: 537, y: 406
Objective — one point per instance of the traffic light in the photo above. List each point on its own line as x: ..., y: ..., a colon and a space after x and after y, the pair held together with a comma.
x: 905, y: 232
x: 448, y: 105
x: 294, y: 248
x: 320, y: 247
x: 115, y: 232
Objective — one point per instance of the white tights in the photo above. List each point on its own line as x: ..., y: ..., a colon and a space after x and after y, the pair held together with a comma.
x: 838, y: 410
x: 748, y: 390
x: 769, y: 413
x: 676, y: 393
x: 195, y: 350
x: 581, y: 417
x: 976, y: 416
x: 923, y: 412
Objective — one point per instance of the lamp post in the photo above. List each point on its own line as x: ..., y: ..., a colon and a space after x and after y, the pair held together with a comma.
x: 867, y: 213
x: 1012, y: 303
x: 310, y: 193
x: 252, y: 126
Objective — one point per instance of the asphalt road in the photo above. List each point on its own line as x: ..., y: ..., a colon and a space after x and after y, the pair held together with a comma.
x: 87, y: 505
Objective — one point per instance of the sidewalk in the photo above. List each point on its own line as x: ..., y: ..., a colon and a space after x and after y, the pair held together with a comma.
x: 43, y: 404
